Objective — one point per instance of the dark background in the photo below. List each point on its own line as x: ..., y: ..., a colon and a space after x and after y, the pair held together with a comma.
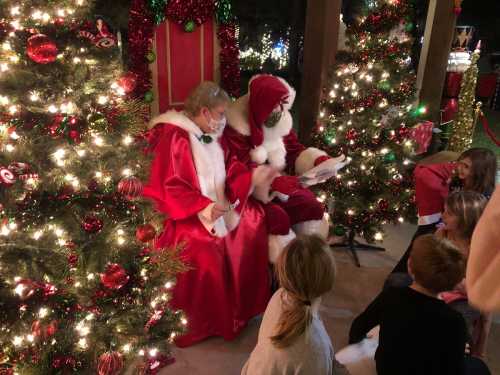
x: 285, y: 20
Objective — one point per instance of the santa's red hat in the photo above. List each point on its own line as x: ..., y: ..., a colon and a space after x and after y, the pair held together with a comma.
x: 266, y: 93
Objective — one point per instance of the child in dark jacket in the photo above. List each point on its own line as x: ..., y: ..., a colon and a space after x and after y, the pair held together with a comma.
x: 419, y: 334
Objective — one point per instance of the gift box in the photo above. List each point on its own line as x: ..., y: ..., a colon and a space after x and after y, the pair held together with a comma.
x: 422, y: 135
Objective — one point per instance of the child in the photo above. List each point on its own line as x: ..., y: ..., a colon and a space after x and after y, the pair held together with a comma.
x: 474, y: 170
x: 292, y: 338
x: 461, y: 214
x: 419, y: 334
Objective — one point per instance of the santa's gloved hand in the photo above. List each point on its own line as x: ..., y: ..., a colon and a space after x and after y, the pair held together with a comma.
x: 328, y: 164
x: 328, y: 160
x: 286, y: 184
x: 325, y: 168
x: 262, y: 178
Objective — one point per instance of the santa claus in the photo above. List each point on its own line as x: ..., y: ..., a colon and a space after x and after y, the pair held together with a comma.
x: 204, y: 194
x: 260, y: 132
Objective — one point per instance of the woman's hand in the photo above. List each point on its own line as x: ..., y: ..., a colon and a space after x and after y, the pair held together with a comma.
x: 217, y: 211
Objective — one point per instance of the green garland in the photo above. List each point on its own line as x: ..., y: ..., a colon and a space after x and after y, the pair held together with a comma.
x: 223, y: 11
x: 157, y: 7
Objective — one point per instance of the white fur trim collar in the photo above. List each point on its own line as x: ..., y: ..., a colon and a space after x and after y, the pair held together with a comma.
x: 178, y: 119
x: 181, y: 120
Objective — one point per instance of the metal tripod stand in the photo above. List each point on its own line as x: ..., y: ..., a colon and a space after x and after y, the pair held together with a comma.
x: 354, y: 245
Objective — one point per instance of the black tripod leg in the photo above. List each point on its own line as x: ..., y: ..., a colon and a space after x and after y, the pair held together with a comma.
x: 355, y: 255
x: 352, y: 248
x: 363, y: 246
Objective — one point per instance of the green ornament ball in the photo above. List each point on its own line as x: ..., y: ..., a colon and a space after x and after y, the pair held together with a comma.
x: 151, y: 56
x: 390, y: 157
x: 408, y: 26
x: 149, y: 97
x: 189, y: 26
x: 339, y: 230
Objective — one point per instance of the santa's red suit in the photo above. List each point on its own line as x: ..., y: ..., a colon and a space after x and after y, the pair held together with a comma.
x: 228, y: 280
x: 432, y: 185
x: 255, y: 141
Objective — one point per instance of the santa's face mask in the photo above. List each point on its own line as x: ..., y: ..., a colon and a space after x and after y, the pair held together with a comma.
x: 273, y: 119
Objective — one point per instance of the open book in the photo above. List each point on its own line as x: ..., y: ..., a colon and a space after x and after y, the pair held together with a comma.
x: 323, y: 171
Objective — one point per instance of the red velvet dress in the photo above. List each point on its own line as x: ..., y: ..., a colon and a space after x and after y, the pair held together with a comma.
x: 301, y: 206
x: 228, y: 283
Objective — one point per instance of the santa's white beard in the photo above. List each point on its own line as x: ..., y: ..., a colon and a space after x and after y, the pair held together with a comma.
x: 273, y: 148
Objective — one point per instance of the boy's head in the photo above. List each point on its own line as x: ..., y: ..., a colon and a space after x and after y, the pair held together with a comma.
x: 436, y: 264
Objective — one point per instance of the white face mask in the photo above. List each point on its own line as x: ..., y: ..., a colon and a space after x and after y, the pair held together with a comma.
x: 215, y: 125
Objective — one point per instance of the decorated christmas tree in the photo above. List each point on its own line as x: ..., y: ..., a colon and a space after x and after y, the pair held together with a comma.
x: 80, y: 289
x: 367, y: 113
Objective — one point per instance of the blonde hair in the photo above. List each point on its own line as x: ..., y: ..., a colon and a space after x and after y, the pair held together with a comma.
x: 306, y: 271
x: 436, y: 264
x: 206, y: 94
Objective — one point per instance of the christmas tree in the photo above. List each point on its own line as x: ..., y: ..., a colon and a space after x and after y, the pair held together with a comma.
x: 80, y: 289
x: 367, y: 113
x: 463, y: 127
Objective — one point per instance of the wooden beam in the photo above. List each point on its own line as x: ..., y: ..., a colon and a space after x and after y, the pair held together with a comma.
x: 320, y: 48
x: 438, y: 38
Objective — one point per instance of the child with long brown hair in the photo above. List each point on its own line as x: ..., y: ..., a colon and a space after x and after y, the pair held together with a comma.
x: 292, y: 338
x: 461, y: 214
x: 475, y: 170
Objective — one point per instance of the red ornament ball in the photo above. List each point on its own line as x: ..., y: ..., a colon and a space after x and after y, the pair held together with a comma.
x: 92, y: 224
x: 75, y: 136
x: 51, y: 329
x: 145, y: 233
x: 128, y: 82
x: 115, y: 277
x: 73, y: 259
x: 41, y: 49
x: 130, y: 187
x: 59, y: 21
x: 110, y: 363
